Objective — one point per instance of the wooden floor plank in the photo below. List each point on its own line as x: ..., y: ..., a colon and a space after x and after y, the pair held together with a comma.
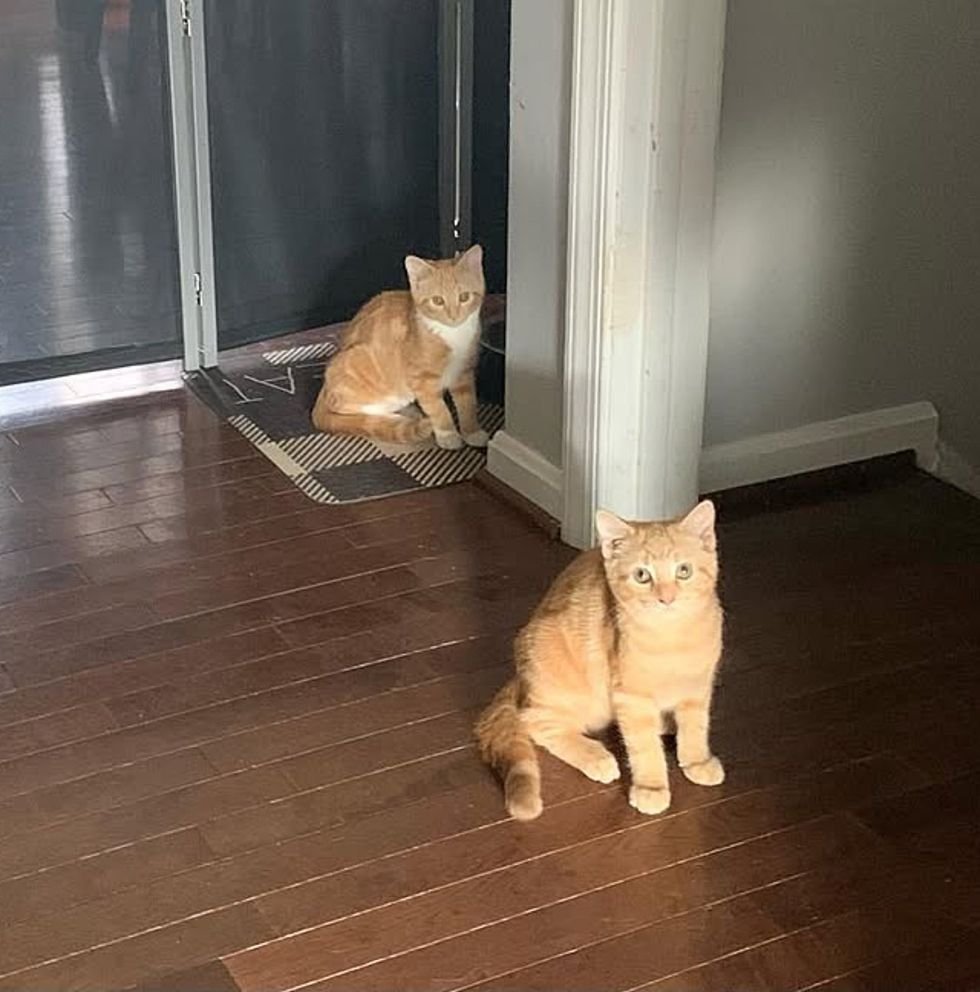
x: 734, y: 821
x: 132, y: 675
x: 585, y: 872
x: 303, y: 618
x: 119, y: 786
x: 142, y: 469
x: 946, y: 965
x: 21, y: 854
x: 71, y: 551
x: 43, y: 583
x: 16, y: 512
x: 308, y: 665
x: 411, y: 670
x: 158, y: 953
x: 172, y: 544
x: 24, y: 645
x: 30, y: 465
x: 27, y: 901
x: 210, y: 977
x: 55, y: 729
x: 672, y: 945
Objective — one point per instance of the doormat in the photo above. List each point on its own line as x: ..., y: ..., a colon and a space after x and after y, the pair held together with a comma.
x: 268, y: 396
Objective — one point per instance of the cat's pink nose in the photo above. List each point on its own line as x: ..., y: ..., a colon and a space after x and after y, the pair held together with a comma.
x: 666, y: 594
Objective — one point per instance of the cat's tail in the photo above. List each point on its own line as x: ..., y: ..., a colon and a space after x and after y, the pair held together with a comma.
x: 507, y: 747
x: 393, y: 428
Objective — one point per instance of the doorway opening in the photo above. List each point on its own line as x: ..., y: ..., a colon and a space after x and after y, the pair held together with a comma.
x: 326, y: 143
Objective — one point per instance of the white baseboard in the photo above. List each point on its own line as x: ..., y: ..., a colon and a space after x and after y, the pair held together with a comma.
x: 526, y: 472
x: 953, y: 468
x: 767, y: 456
x: 822, y: 445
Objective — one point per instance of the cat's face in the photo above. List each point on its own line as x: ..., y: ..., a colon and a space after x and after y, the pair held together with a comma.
x: 447, y: 291
x: 661, y: 566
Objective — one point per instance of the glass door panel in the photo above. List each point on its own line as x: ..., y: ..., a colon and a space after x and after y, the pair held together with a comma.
x: 324, y: 136
x: 88, y: 254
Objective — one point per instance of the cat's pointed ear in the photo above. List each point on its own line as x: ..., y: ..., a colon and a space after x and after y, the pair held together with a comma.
x: 612, y: 532
x: 472, y: 259
x: 701, y: 523
x: 416, y: 268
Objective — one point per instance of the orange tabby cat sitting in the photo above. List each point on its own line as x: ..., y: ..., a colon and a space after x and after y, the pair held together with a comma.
x: 630, y: 632
x: 404, y: 347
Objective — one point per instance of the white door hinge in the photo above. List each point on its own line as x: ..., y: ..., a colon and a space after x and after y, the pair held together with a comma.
x: 198, y: 289
x: 185, y: 17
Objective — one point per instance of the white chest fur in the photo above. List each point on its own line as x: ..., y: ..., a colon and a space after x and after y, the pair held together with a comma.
x: 461, y: 341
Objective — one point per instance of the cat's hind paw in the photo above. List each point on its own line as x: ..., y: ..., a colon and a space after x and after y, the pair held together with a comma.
x: 421, y: 429
x: 477, y: 439
x: 710, y: 772
x: 449, y: 440
x: 649, y: 801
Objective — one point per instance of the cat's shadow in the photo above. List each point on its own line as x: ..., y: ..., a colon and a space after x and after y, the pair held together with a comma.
x: 613, y: 739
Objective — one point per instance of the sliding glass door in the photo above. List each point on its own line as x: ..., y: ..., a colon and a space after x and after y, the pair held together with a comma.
x: 88, y: 249
x: 222, y: 171
x: 324, y: 134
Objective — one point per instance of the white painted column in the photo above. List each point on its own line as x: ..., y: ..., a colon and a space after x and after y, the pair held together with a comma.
x: 646, y: 92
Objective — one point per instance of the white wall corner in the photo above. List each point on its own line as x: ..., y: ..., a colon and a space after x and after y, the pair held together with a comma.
x: 953, y: 468
x: 914, y: 426
x: 527, y: 472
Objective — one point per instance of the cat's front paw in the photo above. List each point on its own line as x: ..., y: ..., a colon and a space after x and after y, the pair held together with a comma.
x: 649, y: 801
x: 477, y: 439
x: 449, y: 440
x: 601, y: 768
x: 710, y: 772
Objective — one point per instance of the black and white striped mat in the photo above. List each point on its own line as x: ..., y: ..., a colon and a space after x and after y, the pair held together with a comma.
x: 268, y: 397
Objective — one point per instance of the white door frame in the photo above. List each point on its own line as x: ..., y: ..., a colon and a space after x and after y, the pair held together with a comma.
x: 646, y: 97
x: 192, y: 180
x: 456, y: 25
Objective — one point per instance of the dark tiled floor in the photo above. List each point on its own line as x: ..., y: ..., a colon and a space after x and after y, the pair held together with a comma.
x: 87, y: 244
x: 235, y: 740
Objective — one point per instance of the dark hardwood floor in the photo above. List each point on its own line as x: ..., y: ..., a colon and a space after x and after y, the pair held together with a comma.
x: 235, y: 746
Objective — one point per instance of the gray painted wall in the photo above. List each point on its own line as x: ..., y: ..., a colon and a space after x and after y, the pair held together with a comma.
x: 540, y: 99
x: 847, y: 248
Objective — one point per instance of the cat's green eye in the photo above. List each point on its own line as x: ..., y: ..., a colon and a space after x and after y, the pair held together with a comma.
x: 642, y: 575
x: 438, y: 301
x: 684, y: 571
x: 464, y: 297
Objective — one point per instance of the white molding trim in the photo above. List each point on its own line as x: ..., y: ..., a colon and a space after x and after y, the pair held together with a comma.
x: 823, y: 444
x: 192, y: 183
x: 764, y: 457
x: 953, y: 468
x: 645, y: 109
x: 526, y: 472
x: 589, y: 207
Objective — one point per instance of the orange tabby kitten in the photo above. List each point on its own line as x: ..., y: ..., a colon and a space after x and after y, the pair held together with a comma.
x: 630, y: 632
x: 404, y: 347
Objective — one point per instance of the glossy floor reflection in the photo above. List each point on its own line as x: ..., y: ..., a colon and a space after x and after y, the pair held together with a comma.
x: 87, y: 240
